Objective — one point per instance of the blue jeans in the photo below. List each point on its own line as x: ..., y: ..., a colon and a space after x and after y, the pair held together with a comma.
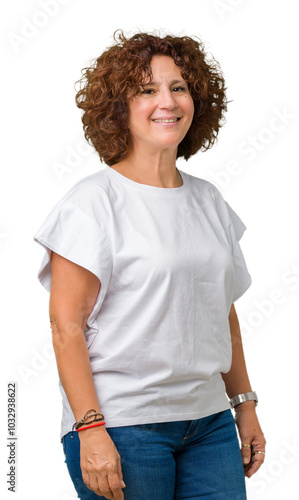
x: 191, y: 459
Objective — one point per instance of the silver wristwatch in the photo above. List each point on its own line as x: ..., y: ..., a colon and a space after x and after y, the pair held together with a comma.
x: 241, y: 398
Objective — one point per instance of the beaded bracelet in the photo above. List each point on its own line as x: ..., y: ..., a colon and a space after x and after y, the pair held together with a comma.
x: 87, y: 416
x: 78, y: 425
x: 90, y: 426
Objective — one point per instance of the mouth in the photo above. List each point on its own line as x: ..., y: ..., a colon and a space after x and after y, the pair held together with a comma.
x: 166, y: 120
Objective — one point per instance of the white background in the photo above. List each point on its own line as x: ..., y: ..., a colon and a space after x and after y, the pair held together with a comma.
x: 43, y: 155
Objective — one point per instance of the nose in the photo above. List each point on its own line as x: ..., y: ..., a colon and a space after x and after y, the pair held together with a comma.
x: 167, y: 100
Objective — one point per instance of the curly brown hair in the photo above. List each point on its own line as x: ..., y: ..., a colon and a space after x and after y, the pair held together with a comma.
x: 116, y: 76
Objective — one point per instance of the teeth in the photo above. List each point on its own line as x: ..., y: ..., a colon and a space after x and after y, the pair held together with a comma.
x: 166, y: 121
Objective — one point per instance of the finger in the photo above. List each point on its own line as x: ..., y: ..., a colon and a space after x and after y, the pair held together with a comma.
x: 92, y: 482
x: 120, y: 475
x: 256, y: 463
x: 246, y: 451
x: 86, y: 479
x: 110, y: 487
x: 115, y: 486
x: 100, y: 487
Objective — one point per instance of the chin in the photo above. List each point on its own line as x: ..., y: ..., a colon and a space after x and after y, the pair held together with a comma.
x: 169, y: 142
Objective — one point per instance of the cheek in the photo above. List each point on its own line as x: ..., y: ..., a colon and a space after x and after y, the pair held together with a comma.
x: 189, y: 109
x: 187, y: 105
x: 191, y: 106
x: 135, y: 116
x: 140, y: 109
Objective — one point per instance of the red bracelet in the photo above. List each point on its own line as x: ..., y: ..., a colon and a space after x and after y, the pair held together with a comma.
x: 90, y: 426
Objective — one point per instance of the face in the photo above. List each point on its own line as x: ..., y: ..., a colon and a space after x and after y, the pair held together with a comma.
x: 161, y: 114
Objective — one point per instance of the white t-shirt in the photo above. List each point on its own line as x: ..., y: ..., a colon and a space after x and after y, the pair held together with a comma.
x: 170, y: 267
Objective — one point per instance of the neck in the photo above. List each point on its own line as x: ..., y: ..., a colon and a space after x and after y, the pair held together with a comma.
x: 158, y: 169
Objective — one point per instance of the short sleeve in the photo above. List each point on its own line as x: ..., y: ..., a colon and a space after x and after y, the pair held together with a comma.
x: 234, y: 229
x: 75, y: 235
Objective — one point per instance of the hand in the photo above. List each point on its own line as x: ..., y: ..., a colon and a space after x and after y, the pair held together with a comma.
x: 251, y: 434
x: 100, y: 464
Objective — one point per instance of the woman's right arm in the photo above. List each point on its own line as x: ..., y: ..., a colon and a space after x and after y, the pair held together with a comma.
x: 74, y: 291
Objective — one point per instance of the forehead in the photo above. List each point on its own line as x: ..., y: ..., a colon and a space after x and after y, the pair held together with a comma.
x: 164, y: 68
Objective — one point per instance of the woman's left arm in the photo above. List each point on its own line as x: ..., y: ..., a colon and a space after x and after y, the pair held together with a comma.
x: 237, y: 382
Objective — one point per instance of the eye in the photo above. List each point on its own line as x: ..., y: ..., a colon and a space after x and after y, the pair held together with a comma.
x: 147, y: 91
x: 179, y: 89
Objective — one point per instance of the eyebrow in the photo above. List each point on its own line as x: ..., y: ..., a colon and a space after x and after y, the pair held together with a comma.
x: 171, y: 83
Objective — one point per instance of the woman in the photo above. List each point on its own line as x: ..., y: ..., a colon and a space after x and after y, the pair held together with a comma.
x: 144, y: 265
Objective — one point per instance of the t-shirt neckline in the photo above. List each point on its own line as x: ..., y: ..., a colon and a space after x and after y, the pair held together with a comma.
x: 146, y: 188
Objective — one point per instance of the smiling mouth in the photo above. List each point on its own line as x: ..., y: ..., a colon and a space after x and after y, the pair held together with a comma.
x: 162, y: 120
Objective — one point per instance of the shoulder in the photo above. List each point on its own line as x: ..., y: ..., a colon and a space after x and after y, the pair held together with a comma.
x: 212, y: 199
x: 87, y: 201
x: 90, y: 194
x: 92, y: 184
x: 206, y: 190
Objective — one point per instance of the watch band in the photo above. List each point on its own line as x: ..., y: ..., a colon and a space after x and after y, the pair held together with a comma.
x: 241, y: 398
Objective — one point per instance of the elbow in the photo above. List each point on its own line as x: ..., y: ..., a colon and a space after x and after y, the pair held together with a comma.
x: 64, y: 333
